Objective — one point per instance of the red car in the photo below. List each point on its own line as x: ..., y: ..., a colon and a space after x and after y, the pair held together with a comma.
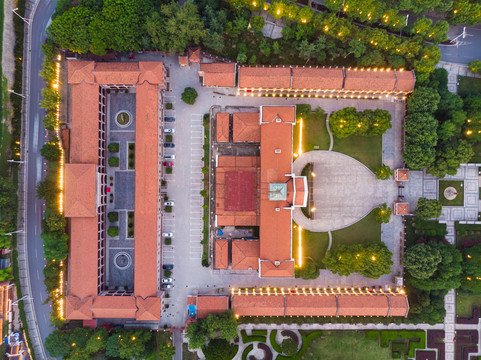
x: 168, y: 163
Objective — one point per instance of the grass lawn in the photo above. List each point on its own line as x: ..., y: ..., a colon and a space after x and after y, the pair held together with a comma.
x: 343, y: 345
x: 314, y: 245
x: 314, y: 133
x: 365, y: 230
x: 160, y: 338
x: 366, y: 149
x: 458, y: 185
x: 187, y: 355
x: 468, y: 83
x: 465, y: 304
x: 5, y: 139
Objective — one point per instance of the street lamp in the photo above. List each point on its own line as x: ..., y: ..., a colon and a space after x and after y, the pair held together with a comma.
x: 22, y: 298
x: 13, y: 92
x: 15, y: 161
x: 21, y: 17
x: 14, y: 232
x: 400, y: 30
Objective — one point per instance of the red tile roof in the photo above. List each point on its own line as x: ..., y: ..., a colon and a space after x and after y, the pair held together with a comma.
x: 79, y: 71
x: 301, y: 191
x: 222, y: 127
x: 276, y: 114
x: 114, y: 307
x: 80, y: 190
x: 218, y: 74
x: 78, y: 309
x: 152, y: 71
x: 194, y: 54
x: 240, y: 191
x: 146, y: 189
x: 401, y: 208
x: 405, y: 80
x: 257, y: 305
x: 246, y: 127
x: 265, y: 77
x: 369, y: 79
x: 83, y: 256
x: 364, y: 305
x: 309, y: 305
x: 270, y: 269
x: 183, y: 60
x: 221, y: 254
x: 211, y: 305
x: 148, y: 309
x: 245, y: 254
x: 116, y: 73
x: 398, y: 305
x: 317, y: 78
x: 191, y: 300
x: 401, y: 174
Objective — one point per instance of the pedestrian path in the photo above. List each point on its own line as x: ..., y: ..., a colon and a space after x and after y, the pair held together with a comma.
x: 328, y: 127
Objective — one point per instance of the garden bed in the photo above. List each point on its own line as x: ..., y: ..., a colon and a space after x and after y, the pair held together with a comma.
x: 130, y: 224
x: 465, y: 303
x: 459, y: 188
x: 131, y: 156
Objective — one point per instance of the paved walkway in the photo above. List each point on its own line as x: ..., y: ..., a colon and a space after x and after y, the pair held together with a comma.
x: 328, y: 127
x: 344, y: 190
x: 454, y: 70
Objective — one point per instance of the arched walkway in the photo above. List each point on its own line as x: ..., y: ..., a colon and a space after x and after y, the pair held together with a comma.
x: 344, y: 191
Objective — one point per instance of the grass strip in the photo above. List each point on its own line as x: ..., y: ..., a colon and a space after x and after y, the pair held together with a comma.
x: 274, y: 343
x: 247, y: 339
x: 246, y: 351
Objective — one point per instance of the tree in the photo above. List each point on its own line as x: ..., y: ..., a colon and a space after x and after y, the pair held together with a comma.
x: 474, y: 66
x: 423, y: 99
x: 257, y: 23
x: 51, y: 273
x: 225, y: 325
x: 383, y: 172
x: 54, y: 246
x: 189, y: 95
x: 356, y: 47
x: 57, y: 344
x: 428, y: 208
x: 421, y: 26
x: 128, y: 344
x: 439, y: 32
x: 265, y: 47
x: 289, y: 347
x: 421, y: 261
x: 449, y: 156
x: 50, y: 121
x: 305, y: 15
x: 46, y: 189
x: 219, y: 349
x: 428, y: 58
x: 344, y: 122
x: 471, y: 276
x: 464, y: 12
x: 309, y: 270
x: 113, y: 231
x: 7, y: 193
x: 51, y: 151
x: 166, y: 352
x: 196, y: 335
x: 6, y: 274
x: 383, y: 213
x: 54, y: 221
x: 50, y: 99
x: 417, y: 157
x: 70, y: 30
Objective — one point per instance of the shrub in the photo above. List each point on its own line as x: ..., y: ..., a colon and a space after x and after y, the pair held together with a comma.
x: 113, y: 231
x: 428, y: 208
x: 168, y: 170
x: 289, y: 347
x: 113, y: 216
x: 113, y: 147
x: 168, y: 241
x: 114, y: 161
x: 383, y: 214
x: 51, y: 151
x: 383, y: 172
x: 189, y: 95
x: 168, y: 138
x: 168, y: 106
x: 167, y: 273
x: 168, y: 209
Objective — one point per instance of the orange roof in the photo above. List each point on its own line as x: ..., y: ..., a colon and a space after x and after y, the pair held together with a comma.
x: 270, y: 269
x: 368, y: 79
x: 250, y: 305
x: 405, y: 80
x: 402, y: 174
x: 114, y: 307
x: 265, y: 77
x: 85, y: 124
x: 211, y: 305
x: 317, y: 78
x: 301, y: 191
x: 283, y: 114
x: 194, y: 54
x: 398, y: 305
x: 148, y: 309
x: 245, y: 254
x: 222, y: 127
x: 146, y: 190
x: 301, y: 305
x: 80, y: 190
x: 240, y: 191
x: 79, y: 71
x: 83, y: 256
x: 183, y: 60
x: 116, y: 73
x: 221, y: 254
x: 152, y: 72
x: 246, y: 127
x: 78, y: 309
x: 401, y: 209
x: 351, y: 305
x: 218, y: 74
x: 191, y: 300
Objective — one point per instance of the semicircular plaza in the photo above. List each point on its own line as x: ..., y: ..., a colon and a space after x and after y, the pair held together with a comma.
x: 344, y: 191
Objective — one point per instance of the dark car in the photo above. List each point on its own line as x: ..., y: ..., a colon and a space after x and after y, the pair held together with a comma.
x: 169, y: 119
x: 168, y: 267
x: 168, y: 163
x: 169, y: 145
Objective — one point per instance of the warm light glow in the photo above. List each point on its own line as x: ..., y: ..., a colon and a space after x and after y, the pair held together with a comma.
x: 299, y: 151
x: 469, y: 132
x: 373, y: 258
x: 313, y: 209
x: 313, y: 174
x: 299, y: 248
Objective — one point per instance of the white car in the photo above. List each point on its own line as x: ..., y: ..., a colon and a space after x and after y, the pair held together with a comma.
x: 167, y: 281
x: 169, y: 203
x: 167, y: 234
x: 169, y: 131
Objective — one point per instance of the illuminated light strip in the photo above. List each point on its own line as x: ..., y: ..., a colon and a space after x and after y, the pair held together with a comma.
x: 299, y: 251
x: 299, y: 151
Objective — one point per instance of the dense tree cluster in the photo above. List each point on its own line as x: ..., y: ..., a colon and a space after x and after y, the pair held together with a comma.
x: 428, y: 208
x: 371, y: 260
x: 383, y: 172
x: 222, y: 326
x: 471, y: 276
x: 383, y: 213
x: 349, y: 121
x: 219, y: 349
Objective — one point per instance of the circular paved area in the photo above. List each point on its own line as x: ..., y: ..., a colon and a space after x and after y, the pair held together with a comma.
x: 344, y: 191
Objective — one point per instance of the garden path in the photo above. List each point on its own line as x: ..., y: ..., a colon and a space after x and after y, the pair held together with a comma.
x: 331, y: 139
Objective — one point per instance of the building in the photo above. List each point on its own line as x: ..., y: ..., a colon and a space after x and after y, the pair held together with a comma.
x: 218, y: 74
x: 259, y: 190
x: 92, y: 86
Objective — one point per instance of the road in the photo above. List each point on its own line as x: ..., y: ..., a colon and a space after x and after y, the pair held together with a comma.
x: 36, y: 167
x: 469, y: 48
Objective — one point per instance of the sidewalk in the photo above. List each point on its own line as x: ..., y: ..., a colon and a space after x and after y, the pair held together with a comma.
x: 455, y: 70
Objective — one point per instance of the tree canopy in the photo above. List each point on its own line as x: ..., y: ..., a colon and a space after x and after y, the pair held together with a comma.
x: 421, y: 260
x: 220, y: 349
x: 471, y: 275
x: 223, y: 326
x: 349, y: 121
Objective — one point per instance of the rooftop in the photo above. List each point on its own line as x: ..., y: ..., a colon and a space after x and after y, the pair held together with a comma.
x: 211, y: 305
x: 317, y: 78
x: 221, y: 254
x: 245, y: 254
x: 264, y: 77
x: 222, y: 127
x: 370, y: 79
x: 246, y: 127
x: 80, y: 191
x: 218, y: 74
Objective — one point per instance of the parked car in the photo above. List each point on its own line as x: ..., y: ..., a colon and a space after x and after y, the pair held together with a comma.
x: 170, y: 157
x: 168, y: 267
x: 167, y: 281
x: 170, y: 131
x: 167, y: 286
x: 171, y: 145
x: 168, y: 163
x: 169, y: 235
x: 169, y: 119
x: 169, y: 203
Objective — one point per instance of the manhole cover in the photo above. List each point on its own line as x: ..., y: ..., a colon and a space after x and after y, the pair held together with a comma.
x: 122, y: 261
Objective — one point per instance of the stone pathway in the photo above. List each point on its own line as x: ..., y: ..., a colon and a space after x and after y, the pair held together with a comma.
x: 454, y: 70
x: 331, y: 138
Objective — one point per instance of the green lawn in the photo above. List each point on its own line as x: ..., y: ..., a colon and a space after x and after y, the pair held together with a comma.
x: 314, y: 245
x: 468, y: 83
x: 344, y: 345
x: 465, y: 304
x: 366, y: 149
x: 365, y: 230
x: 458, y: 185
x: 187, y: 355
x: 314, y: 133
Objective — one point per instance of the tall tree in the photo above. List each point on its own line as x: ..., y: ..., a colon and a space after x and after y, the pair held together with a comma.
x: 428, y: 208
x: 421, y: 261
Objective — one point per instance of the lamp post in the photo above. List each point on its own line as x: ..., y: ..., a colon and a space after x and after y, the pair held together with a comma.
x: 13, y: 92
x: 15, y: 161
x: 20, y: 16
x: 14, y: 232
x: 400, y: 30
x: 22, y: 298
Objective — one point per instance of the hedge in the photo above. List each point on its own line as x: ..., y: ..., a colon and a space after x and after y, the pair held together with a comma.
x: 306, y: 340
x: 246, y: 352
x: 274, y: 343
x: 247, y: 339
